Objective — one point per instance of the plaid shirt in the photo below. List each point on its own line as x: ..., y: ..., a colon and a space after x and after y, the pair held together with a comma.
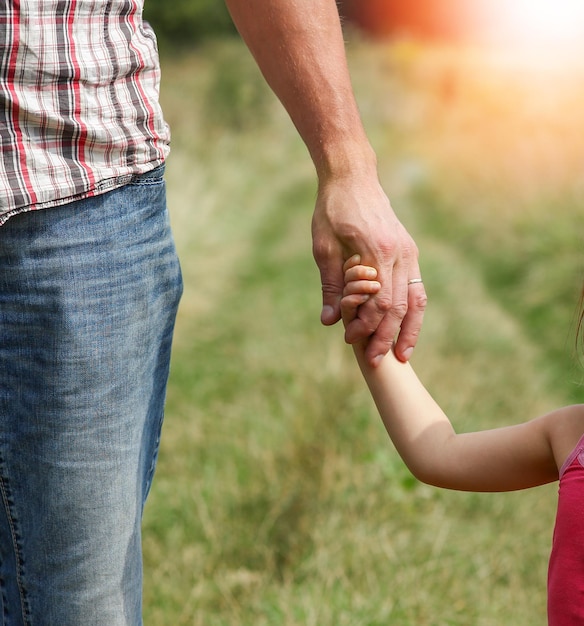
x: 79, y: 112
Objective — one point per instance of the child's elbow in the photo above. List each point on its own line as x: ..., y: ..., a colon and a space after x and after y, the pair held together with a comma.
x: 424, y: 473
x: 433, y: 474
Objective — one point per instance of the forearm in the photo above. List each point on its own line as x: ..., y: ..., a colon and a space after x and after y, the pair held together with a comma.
x: 417, y: 426
x: 299, y: 47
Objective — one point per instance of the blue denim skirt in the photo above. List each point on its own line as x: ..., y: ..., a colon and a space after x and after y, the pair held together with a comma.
x: 88, y: 298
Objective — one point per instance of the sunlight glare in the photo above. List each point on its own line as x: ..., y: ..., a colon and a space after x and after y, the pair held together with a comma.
x: 552, y: 22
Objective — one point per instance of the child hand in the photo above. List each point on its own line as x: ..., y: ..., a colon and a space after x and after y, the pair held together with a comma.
x: 360, y: 284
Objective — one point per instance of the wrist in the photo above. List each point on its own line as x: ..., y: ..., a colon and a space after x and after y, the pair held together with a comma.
x: 345, y: 159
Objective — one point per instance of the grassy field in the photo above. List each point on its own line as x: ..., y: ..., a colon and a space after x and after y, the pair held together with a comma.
x: 279, y: 499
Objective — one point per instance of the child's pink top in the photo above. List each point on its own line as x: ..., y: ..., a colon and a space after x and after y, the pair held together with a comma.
x: 566, y: 568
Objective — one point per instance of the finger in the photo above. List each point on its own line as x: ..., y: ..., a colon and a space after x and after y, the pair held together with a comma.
x: 381, y: 316
x: 350, y: 305
x: 371, y: 313
x: 351, y: 262
x: 361, y: 286
x: 383, y: 339
x: 365, y: 324
x: 360, y: 272
x: 354, y: 300
x: 412, y: 322
x: 330, y: 265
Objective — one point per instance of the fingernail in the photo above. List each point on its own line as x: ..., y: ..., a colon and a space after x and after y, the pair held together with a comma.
x: 327, y: 312
x: 407, y: 353
x: 377, y: 360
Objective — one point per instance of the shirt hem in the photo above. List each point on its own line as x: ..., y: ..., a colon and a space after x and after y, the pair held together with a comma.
x: 108, y: 184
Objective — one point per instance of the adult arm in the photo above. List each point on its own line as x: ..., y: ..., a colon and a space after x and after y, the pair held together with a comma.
x: 299, y: 47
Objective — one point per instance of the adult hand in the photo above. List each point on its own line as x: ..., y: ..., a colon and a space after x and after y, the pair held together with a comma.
x: 353, y: 216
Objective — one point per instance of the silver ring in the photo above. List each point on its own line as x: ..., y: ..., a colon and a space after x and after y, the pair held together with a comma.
x: 413, y: 281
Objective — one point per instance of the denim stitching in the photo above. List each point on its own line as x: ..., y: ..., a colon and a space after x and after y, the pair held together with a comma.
x: 6, y: 501
x: 153, y: 177
x: 146, y: 183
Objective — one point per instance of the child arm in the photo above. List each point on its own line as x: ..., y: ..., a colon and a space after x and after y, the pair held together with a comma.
x: 504, y: 459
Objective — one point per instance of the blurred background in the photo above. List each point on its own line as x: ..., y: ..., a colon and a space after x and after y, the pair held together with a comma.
x: 279, y: 499
x: 485, y: 21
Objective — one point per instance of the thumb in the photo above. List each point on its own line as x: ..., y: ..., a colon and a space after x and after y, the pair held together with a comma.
x: 332, y: 280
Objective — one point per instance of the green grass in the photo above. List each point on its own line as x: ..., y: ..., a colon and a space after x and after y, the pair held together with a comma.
x: 279, y: 499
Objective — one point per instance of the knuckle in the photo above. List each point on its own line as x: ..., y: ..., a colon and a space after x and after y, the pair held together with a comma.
x: 411, y: 334
x: 384, y: 303
x: 321, y: 249
x: 399, y: 309
x: 388, y: 248
x: 411, y: 248
x: 331, y: 287
x: 419, y: 301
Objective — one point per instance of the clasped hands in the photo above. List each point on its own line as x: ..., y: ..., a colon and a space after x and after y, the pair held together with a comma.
x: 355, y: 221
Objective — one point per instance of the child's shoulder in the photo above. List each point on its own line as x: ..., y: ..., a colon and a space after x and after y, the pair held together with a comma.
x: 566, y: 429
